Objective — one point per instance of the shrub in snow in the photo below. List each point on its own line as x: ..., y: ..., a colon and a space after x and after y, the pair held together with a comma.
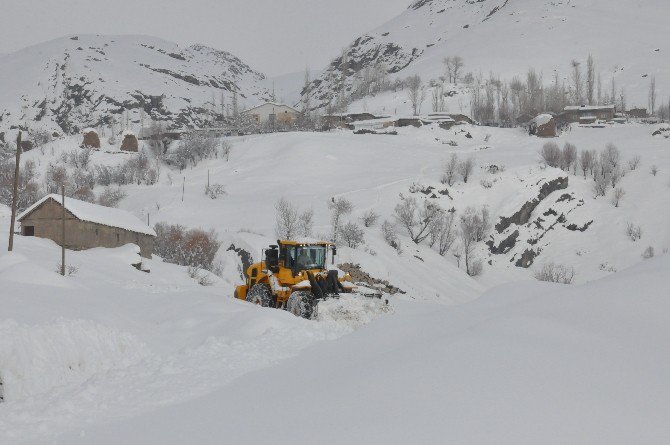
x: 192, y: 149
x: 633, y: 232
x: 648, y: 253
x: 654, y: 170
x: 466, y: 167
x: 555, y: 273
x: 215, y: 190
x: 70, y: 270
x: 351, y: 235
x: 178, y: 245
x: 111, y: 196
x: 618, y: 194
x: 450, y: 170
x: 551, y: 154
x: 634, y: 163
x: 202, y: 277
x: 486, y: 183
x: 390, y: 235
x: 370, y: 218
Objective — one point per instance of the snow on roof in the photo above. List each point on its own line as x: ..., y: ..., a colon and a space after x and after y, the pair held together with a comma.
x: 98, y: 214
x: 588, y: 107
x: 542, y: 119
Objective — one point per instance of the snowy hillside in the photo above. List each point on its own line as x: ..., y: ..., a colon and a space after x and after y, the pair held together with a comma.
x: 75, y: 82
x: 507, y: 37
x: 109, y: 353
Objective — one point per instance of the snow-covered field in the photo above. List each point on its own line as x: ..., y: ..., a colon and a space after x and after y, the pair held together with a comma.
x: 114, y: 355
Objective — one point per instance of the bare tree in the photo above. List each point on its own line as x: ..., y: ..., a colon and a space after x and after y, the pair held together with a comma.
x: 568, y: 156
x: 617, y: 196
x: 590, y: 80
x: 586, y: 161
x: 416, y: 92
x: 466, y: 167
x: 306, y: 223
x: 287, y: 220
x: 417, y: 221
x: 390, y: 235
x: 450, y: 170
x: 652, y: 95
x: 634, y: 163
x: 444, y: 232
x: 352, y: 235
x: 338, y: 207
x: 473, y: 227
x: 456, y: 67
x: 551, y: 154
x: 577, y: 82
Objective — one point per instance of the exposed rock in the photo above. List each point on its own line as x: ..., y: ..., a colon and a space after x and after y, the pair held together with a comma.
x: 527, y: 258
x: 522, y: 216
x: 505, y: 245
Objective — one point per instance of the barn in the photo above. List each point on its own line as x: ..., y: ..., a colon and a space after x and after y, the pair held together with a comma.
x: 87, y: 225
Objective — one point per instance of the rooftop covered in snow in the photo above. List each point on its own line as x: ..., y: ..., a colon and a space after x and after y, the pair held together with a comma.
x: 86, y: 211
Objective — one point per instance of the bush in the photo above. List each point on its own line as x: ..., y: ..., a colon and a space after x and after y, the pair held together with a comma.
x: 634, y: 163
x: 390, y: 235
x: 215, y: 190
x: 555, y: 273
x: 370, y: 218
x: 195, y: 247
x: 551, y: 154
x: 648, y: 253
x: 352, y: 235
x: 633, y: 232
x: 110, y: 196
x: 654, y: 170
x: 617, y: 196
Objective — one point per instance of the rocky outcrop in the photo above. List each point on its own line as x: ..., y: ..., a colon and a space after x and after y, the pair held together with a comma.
x: 522, y: 216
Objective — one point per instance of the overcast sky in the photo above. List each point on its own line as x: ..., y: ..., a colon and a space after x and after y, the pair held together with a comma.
x: 273, y: 36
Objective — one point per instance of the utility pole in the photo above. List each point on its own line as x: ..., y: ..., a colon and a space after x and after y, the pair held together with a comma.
x: 62, y: 240
x: 15, y: 194
x: 183, y: 188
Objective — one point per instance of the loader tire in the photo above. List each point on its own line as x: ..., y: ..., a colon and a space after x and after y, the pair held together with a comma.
x: 302, y: 304
x: 261, y: 295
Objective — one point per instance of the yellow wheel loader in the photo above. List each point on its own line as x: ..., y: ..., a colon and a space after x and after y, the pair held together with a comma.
x: 293, y: 276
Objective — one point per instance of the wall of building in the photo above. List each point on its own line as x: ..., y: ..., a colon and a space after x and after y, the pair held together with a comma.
x: 81, y: 235
x: 283, y: 113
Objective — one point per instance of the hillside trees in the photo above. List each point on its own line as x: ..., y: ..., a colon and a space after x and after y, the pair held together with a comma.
x: 416, y: 93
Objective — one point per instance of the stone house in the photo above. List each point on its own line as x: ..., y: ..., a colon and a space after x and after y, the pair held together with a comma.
x: 543, y: 126
x: 273, y: 113
x: 588, y: 112
x: 87, y: 225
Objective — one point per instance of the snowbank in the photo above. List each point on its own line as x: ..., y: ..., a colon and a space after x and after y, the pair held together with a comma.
x: 37, y: 358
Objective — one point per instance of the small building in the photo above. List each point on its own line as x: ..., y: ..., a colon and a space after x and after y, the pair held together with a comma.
x: 273, y: 113
x: 543, y: 126
x: 87, y: 225
x: 589, y: 112
x: 637, y: 113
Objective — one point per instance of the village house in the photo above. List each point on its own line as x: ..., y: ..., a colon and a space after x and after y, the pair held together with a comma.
x: 638, y: 113
x: 87, y: 225
x: 588, y: 113
x: 273, y: 113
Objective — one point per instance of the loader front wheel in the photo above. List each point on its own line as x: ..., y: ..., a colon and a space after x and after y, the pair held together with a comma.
x: 302, y: 304
x: 261, y: 295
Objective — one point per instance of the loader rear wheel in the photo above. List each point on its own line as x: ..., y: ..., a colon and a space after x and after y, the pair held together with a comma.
x: 302, y: 304
x: 261, y: 295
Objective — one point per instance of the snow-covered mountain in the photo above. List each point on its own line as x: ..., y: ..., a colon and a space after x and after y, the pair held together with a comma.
x: 74, y: 82
x: 507, y: 37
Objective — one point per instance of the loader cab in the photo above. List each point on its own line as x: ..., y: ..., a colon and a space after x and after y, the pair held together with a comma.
x: 303, y: 256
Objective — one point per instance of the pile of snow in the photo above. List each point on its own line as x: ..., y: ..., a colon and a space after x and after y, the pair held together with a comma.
x: 37, y: 358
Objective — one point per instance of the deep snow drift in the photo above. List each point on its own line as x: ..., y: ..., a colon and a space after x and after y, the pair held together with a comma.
x: 526, y: 363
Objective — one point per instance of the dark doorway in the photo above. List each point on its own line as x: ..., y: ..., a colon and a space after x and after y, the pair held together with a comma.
x: 28, y: 230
